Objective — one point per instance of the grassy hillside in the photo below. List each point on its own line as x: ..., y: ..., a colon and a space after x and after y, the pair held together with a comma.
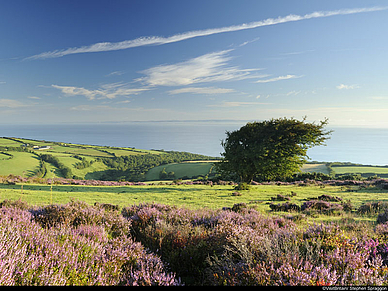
x: 18, y: 163
x: 23, y: 157
x: 338, y: 169
x: 363, y: 170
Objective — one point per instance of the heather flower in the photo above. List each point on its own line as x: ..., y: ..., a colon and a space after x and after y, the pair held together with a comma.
x: 73, y: 254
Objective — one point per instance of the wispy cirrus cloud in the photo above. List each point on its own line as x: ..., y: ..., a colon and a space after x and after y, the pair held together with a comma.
x: 278, y: 78
x: 158, y: 40
x: 202, y: 90
x: 347, y: 87
x: 212, y: 67
x: 109, y: 91
x: 10, y: 103
x: 296, y: 53
x: 115, y: 73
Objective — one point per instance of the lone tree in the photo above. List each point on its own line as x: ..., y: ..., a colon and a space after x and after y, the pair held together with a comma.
x: 269, y: 150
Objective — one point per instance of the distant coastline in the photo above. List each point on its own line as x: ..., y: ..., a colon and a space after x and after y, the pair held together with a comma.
x: 347, y: 144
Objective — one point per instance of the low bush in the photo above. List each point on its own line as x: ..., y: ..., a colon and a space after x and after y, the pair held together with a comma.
x: 284, y: 207
x: 242, y: 186
x: 328, y: 198
x: 372, y: 207
x: 321, y: 206
x: 77, y: 213
x: 382, y: 217
x: 64, y: 254
x: 156, y: 244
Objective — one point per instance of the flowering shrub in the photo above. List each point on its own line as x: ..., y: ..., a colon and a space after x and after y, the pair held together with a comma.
x: 321, y: 206
x: 156, y: 244
x: 69, y: 253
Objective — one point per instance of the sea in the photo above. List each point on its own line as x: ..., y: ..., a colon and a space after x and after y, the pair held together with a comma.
x: 368, y: 146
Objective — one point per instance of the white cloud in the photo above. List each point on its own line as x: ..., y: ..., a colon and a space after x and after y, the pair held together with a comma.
x: 296, y: 53
x: 109, y: 91
x: 115, y: 73
x: 75, y: 91
x: 278, y: 79
x: 210, y: 67
x: 293, y: 93
x: 9, y: 103
x: 249, y: 41
x: 157, y: 40
x: 347, y: 87
x: 201, y: 90
x: 124, y: 102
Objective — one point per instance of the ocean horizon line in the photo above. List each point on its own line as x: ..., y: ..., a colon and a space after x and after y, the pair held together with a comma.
x: 179, y: 121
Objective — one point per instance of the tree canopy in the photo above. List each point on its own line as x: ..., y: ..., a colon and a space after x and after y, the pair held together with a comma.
x: 269, y: 150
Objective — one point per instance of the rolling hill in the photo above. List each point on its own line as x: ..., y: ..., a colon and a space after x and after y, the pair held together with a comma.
x: 46, y: 159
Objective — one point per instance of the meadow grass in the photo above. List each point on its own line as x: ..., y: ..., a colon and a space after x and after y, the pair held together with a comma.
x: 21, y: 163
x: 4, y: 142
x: 359, y: 169
x: 78, y: 150
x: 194, y: 196
x: 4, y: 157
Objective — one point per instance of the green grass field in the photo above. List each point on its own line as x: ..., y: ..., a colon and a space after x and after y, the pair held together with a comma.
x: 23, y: 164
x: 191, y: 196
x: 344, y: 169
x: 27, y: 164
x: 360, y: 169
x: 9, y: 143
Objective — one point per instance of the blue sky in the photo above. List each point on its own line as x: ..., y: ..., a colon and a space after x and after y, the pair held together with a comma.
x: 117, y: 61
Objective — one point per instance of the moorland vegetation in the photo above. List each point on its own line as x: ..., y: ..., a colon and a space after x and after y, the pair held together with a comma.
x: 277, y: 228
x: 158, y: 244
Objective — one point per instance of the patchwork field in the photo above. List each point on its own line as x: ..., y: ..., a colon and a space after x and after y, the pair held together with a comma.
x: 21, y: 157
